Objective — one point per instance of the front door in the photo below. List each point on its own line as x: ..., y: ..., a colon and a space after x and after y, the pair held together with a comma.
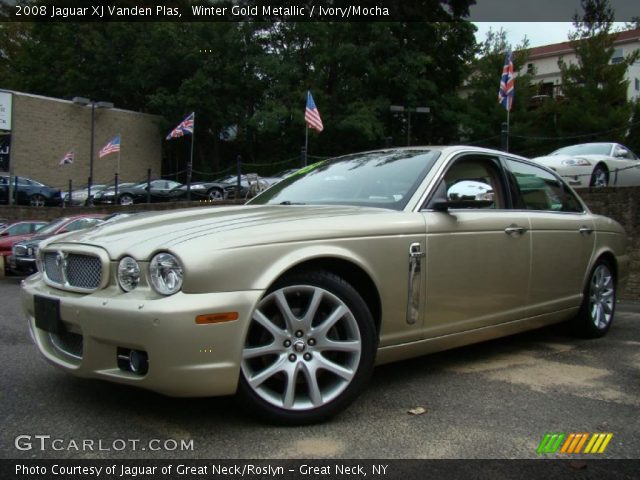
x: 477, y: 251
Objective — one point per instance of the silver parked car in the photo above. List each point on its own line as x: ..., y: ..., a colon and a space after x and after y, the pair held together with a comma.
x: 291, y: 300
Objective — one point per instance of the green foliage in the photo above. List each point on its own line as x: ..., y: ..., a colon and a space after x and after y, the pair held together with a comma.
x: 595, y: 89
x: 633, y: 135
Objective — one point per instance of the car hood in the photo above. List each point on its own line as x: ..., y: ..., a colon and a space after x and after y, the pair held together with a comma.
x: 238, y: 226
x: 556, y: 160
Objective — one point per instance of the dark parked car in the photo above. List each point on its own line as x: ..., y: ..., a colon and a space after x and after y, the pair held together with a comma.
x: 23, y: 257
x: 250, y: 185
x: 128, y: 194
x: 201, y: 191
x: 16, y: 232
x: 28, y: 192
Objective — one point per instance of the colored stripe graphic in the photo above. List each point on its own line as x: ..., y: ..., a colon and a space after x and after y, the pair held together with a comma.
x: 598, y: 442
x: 574, y: 442
x: 550, y: 443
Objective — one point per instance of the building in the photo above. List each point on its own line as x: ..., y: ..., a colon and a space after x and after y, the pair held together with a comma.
x: 542, y: 64
x: 36, y: 132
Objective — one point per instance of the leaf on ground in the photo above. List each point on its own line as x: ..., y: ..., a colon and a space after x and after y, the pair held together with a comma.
x: 417, y: 411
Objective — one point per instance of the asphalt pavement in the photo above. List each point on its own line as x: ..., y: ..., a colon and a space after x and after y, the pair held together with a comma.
x: 492, y: 400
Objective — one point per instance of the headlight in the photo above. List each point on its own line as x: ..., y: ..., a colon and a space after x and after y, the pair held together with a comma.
x: 575, y: 162
x: 165, y: 273
x: 197, y: 187
x: 128, y: 274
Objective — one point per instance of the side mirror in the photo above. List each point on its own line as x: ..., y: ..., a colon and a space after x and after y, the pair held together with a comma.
x: 4, y: 234
x: 621, y: 153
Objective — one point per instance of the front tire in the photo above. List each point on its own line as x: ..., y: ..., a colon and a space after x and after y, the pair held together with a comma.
x: 599, y: 177
x: 309, y: 350
x: 125, y: 199
x: 215, y: 195
x: 598, y: 304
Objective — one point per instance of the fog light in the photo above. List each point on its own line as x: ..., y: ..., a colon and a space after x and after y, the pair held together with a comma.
x: 138, y: 362
x: 134, y: 361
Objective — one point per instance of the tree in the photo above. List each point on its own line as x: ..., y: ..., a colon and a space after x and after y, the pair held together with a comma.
x: 595, y: 88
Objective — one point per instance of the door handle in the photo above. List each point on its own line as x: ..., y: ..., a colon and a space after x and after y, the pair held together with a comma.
x: 585, y: 230
x: 514, y: 230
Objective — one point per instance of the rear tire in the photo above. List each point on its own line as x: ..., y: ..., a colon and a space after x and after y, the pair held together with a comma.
x: 37, y: 200
x: 309, y: 351
x: 598, y: 304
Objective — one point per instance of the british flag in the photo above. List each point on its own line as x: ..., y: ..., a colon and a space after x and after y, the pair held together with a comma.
x: 185, y: 127
x: 312, y: 115
x: 112, y: 146
x: 67, y: 159
x: 507, y: 84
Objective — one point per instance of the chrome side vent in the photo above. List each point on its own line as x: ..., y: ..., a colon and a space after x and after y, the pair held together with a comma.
x: 415, y: 262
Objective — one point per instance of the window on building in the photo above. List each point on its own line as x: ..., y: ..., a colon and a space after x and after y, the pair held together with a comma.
x: 637, y: 84
x: 617, y: 56
x: 530, y: 68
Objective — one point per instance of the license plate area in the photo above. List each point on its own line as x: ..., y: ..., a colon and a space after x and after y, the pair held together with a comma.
x: 47, y: 313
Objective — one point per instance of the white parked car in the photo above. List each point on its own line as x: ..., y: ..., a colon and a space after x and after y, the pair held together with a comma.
x: 595, y: 165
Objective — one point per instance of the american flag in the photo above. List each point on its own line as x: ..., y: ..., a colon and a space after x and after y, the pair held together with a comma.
x: 185, y: 126
x: 507, y: 86
x: 67, y: 159
x: 112, y: 146
x: 312, y: 115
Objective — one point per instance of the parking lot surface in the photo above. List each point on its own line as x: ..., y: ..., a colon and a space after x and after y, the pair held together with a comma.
x: 492, y: 400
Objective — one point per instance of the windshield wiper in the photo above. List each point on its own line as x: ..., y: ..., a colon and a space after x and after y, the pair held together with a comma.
x: 289, y: 202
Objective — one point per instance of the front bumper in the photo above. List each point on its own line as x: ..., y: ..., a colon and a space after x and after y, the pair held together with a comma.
x: 22, y: 264
x: 185, y: 359
x: 577, y: 177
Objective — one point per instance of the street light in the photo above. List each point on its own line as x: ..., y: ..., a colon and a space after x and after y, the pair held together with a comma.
x: 83, y: 101
x: 401, y: 109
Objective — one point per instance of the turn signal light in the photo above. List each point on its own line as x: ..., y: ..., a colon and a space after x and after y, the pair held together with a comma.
x: 216, y: 318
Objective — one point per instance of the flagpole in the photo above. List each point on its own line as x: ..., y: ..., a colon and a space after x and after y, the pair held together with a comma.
x: 508, y: 126
x: 190, y: 164
x: 306, y: 143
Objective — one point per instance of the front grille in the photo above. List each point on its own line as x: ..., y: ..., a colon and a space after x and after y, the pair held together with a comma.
x: 51, y: 267
x: 73, y: 270
x: 84, y: 271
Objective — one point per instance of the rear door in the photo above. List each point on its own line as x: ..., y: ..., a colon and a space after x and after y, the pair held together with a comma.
x: 562, y: 237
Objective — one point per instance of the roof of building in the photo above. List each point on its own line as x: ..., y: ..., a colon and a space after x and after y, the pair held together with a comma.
x: 565, y: 47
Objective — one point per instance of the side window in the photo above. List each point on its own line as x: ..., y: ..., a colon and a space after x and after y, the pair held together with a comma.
x: 537, y: 189
x: 81, y: 223
x: 474, y: 182
x: 20, y: 229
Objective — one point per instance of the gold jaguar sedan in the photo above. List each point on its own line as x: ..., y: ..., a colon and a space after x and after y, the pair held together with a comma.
x: 291, y: 300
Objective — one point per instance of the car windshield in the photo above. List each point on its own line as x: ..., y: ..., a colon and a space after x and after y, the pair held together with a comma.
x: 384, y: 179
x: 585, y: 149
x: 52, y: 227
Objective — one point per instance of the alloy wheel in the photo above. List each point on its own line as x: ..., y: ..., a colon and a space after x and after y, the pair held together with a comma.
x: 303, y: 348
x: 601, y: 296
